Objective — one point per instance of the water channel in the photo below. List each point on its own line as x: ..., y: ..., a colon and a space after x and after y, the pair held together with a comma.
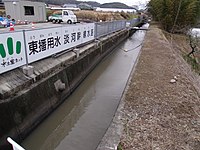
x: 82, y: 120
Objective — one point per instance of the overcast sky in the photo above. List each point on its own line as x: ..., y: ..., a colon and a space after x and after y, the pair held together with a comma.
x: 127, y: 2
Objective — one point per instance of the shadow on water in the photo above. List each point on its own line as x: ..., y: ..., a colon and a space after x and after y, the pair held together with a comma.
x: 81, y: 121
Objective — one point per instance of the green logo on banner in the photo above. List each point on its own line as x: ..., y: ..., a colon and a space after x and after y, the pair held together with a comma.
x: 10, y: 48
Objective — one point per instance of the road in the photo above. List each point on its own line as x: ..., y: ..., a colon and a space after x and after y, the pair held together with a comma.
x: 35, y: 26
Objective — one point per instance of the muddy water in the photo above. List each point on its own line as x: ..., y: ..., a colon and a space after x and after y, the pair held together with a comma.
x: 81, y: 121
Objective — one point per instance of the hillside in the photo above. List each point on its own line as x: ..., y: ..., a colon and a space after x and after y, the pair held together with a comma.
x: 61, y: 2
x: 115, y: 5
x: 92, y: 3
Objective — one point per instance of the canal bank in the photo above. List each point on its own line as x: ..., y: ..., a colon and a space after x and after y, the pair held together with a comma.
x: 81, y: 121
x: 27, y: 100
x: 156, y: 113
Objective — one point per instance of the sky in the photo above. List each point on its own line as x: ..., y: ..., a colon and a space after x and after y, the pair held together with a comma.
x: 127, y: 2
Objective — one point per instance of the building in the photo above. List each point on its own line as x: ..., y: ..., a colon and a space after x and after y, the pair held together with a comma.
x: 1, y: 5
x: 85, y: 6
x: 70, y: 6
x: 25, y: 10
x: 64, y: 7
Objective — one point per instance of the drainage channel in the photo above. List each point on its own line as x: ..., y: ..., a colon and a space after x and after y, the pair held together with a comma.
x: 82, y: 120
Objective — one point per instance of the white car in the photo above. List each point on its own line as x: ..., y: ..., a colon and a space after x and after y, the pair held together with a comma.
x: 3, y: 22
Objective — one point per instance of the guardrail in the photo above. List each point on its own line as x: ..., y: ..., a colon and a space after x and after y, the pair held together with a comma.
x: 24, y: 47
x: 105, y: 28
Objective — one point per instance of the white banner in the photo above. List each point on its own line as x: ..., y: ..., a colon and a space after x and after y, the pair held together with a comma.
x: 45, y: 42
x: 88, y: 32
x: 12, y: 51
x: 71, y: 36
x: 42, y: 43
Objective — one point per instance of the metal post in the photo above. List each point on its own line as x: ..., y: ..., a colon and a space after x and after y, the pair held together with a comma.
x: 95, y: 30
x: 14, y: 144
x: 113, y: 26
x: 25, y: 47
x: 108, y: 28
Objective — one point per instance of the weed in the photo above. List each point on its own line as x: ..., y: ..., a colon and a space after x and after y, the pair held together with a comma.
x: 119, y: 147
x: 193, y: 62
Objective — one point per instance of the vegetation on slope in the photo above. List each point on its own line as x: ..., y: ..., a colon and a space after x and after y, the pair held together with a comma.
x: 180, y: 16
x: 115, y: 5
x: 175, y: 15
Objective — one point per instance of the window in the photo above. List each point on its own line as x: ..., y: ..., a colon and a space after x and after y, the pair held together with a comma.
x: 29, y: 10
x: 65, y: 13
x: 71, y: 13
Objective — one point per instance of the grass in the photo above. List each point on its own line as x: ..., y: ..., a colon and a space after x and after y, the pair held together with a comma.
x: 119, y: 147
x: 97, y: 16
x: 194, y: 64
x: 181, y: 44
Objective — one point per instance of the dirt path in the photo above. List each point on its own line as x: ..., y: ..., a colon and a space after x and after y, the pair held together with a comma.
x: 161, y: 115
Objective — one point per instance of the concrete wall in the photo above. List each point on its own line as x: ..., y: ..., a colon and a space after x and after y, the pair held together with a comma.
x: 16, y: 10
x: 26, y: 109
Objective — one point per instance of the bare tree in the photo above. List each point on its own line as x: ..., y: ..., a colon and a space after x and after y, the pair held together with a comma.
x: 194, y: 41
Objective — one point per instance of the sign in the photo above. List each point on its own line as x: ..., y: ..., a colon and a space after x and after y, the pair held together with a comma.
x: 46, y: 42
x: 71, y: 36
x: 43, y: 43
x: 87, y: 32
x: 12, y: 51
x: 40, y: 44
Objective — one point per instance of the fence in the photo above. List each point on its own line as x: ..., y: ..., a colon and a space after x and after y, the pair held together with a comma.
x: 105, y: 28
x: 27, y: 46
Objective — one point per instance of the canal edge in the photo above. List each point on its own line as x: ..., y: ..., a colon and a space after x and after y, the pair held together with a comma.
x: 111, y: 138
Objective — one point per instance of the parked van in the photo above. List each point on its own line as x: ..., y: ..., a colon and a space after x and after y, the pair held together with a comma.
x: 66, y: 16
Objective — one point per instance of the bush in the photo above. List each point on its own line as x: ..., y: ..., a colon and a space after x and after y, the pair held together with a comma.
x: 125, y: 15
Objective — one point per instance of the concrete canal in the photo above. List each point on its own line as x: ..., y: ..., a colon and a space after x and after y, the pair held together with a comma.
x: 82, y: 120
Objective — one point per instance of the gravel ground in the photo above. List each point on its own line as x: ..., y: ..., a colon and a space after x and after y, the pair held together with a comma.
x: 161, y: 106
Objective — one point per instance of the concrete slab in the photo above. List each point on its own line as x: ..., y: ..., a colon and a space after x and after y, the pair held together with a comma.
x: 13, y: 81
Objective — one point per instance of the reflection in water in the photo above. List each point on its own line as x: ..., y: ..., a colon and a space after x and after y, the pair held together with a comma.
x: 81, y: 121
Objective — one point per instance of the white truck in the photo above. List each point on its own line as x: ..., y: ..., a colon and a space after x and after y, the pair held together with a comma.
x: 66, y: 16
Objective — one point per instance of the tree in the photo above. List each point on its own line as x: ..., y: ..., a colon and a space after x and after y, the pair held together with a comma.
x: 175, y: 15
x: 194, y: 41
